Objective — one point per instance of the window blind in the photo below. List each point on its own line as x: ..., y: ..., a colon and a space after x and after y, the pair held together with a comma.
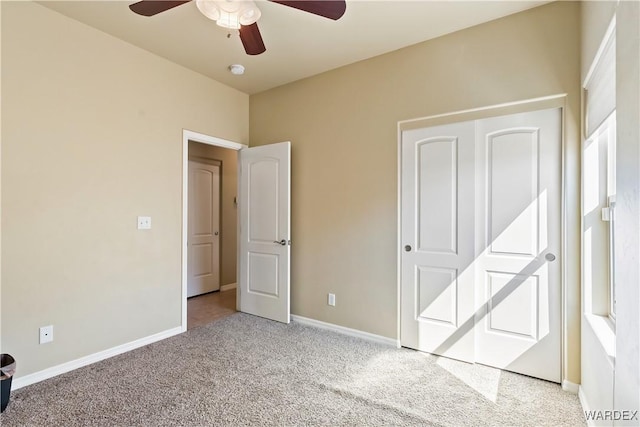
x: 601, y: 88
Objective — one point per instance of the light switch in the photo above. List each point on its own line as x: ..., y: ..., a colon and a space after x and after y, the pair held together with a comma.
x: 144, y: 222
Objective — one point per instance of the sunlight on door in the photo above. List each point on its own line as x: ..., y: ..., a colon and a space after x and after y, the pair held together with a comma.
x: 482, y: 199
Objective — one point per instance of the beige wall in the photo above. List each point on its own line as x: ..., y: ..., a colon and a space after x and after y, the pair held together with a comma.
x: 343, y: 128
x: 91, y: 138
x: 228, y: 210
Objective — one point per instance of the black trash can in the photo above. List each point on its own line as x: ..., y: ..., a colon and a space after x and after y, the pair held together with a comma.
x: 7, y: 369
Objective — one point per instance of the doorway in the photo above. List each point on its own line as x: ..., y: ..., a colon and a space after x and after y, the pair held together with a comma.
x: 481, y: 278
x: 204, y: 309
x: 210, y: 257
x: 263, y: 238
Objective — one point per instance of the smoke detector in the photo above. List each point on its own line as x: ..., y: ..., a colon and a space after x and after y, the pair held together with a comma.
x: 236, y: 69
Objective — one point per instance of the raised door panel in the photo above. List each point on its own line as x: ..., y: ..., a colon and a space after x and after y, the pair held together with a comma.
x: 202, y: 258
x: 512, y: 304
x: 437, y: 216
x: 203, y: 204
x: 263, y: 274
x: 263, y: 176
x: 512, y: 199
x: 437, y: 299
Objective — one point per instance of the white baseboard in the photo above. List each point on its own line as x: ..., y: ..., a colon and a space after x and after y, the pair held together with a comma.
x: 345, y: 331
x: 585, y: 405
x: 45, y: 374
x: 570, y: 387
x: 228, y: 287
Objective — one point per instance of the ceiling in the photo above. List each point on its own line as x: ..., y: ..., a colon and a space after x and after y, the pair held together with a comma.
x: 298, y: 44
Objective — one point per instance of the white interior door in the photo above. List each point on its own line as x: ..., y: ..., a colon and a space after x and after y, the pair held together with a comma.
x: 265, y: 204
x: 518, y: 286
x: 482, y: 280
x: 437, y: 302
x: 203, y: 264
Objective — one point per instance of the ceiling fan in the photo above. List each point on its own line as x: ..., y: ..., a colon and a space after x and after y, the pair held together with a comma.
x: 243, y: 15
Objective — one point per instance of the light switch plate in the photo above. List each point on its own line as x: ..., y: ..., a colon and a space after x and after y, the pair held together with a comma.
x: 144, y: 223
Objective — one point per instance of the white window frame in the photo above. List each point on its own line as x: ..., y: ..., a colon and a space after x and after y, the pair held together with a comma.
x: 611, y: 204
x: 599, y: 119
x: 606, y: 133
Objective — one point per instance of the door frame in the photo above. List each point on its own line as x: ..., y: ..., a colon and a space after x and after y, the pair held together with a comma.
x: 567, y: 294
x: 188, y: 135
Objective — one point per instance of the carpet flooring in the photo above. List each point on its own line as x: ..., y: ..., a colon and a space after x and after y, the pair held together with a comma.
x: 243, y: 370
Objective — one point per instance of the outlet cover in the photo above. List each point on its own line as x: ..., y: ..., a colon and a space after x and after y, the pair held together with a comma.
x: 331, y: 300
x: 144, y: 223
x: 46, y: 334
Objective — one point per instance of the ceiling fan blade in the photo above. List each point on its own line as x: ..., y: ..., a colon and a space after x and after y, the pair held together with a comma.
x: 153, y: 7
x: 332, y: 9
x: 251, y: 39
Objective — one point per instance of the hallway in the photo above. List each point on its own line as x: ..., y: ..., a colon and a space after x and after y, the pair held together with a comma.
x: 204, y: 309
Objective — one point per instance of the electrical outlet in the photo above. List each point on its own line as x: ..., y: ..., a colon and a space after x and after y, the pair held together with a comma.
x: 46, y: 334
x: 144, y: 223
x: 332, y: 300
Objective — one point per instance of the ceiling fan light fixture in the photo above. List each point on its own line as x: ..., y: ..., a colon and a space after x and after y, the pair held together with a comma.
x: 230, y: 14
x: 229, y: 20
x: 242, y: 15
x: 209, y: 9
x: 250, y: 13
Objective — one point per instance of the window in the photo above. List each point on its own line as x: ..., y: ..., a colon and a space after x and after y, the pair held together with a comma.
x: 599, y: 195
x: 599, y: 181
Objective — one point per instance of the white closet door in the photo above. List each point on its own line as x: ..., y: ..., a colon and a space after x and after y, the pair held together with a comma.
x: 437, y: 235
x: 518, y: 285
x: 480, y: 267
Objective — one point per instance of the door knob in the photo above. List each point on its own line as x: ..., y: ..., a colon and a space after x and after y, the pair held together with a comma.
x: 407, y: 248
x: 216, y: 233
x: 550, y: 257
x: 281, y: 242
